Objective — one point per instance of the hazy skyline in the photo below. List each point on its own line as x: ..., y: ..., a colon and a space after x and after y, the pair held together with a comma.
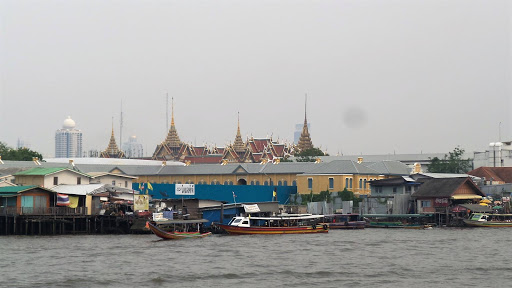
x: 381, y: 77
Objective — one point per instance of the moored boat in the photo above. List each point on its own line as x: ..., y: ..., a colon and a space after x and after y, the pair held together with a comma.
x: 489, y: 220
x: 175, y: 234
x: 404, y: 221
x: 344, y: 221
x: 281, y: 224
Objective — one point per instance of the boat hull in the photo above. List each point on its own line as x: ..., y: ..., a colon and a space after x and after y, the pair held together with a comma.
x: 394, y: 225
x: 473, y: 223
x: 349, y: 225
x: 175, y: 235
x: 235, y: 230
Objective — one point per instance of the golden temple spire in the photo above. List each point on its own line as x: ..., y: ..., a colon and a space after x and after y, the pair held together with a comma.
x: 239, y: 145
x: 305, y: 142
x: 112, y: 150
x: 172, y: 139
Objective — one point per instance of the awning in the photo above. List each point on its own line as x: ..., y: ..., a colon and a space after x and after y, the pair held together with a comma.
x: 476, y: 208
x: 465, y: 196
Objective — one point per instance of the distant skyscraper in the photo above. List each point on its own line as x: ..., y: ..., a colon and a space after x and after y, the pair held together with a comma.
x: 68, y: 141
x: 133, y: 149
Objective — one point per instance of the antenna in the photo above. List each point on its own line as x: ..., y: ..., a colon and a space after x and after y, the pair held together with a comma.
x: 167, y: 112
x: 121, y: 127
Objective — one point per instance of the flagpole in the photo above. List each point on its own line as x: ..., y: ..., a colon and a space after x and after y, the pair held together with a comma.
x: 234, y: 200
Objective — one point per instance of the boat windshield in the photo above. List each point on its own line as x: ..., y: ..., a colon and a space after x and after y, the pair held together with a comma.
x: 235, y: 221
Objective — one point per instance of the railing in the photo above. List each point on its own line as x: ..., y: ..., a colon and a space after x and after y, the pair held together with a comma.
x: 57, y: 211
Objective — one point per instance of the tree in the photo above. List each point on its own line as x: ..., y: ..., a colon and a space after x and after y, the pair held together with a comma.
x: 309, y: 155
x: 20, y: 154
x: 452, y: 163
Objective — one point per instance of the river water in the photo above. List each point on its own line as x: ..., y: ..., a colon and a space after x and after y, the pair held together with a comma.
x: 444, y: 257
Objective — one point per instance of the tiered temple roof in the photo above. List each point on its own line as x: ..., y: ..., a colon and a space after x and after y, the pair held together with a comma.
x: 305, y: 142
x: 112, y: 150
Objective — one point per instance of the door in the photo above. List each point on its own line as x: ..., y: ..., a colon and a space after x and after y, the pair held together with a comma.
x: 27, y: 204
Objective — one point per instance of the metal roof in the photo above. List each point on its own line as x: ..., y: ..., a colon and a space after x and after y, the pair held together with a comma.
x: 343, y: 167
x: 16, y: 189
x: 78, y: 189
x: 40, y: 171
x: 389, y: 167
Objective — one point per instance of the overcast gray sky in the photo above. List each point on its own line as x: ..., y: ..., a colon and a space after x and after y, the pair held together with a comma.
x: 381, y: 77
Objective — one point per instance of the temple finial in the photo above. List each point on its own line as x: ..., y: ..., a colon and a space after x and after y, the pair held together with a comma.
x: 172, y: 111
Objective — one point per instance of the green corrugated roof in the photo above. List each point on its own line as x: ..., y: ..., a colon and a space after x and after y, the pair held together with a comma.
x: 14, y: 189
x: 40, y: 171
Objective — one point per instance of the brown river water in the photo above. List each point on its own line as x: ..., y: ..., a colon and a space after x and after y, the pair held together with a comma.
x: 441, y: 257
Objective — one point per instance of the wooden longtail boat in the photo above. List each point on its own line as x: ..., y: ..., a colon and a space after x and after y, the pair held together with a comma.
x: 489, y: 220
x: 174, y: 235
x: 404, y: 221
x: 283, y: 224
x: 344, y: 221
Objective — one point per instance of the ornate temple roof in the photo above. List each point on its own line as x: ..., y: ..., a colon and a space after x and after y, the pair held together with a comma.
x: 112, y: 150
x: 305, y: 142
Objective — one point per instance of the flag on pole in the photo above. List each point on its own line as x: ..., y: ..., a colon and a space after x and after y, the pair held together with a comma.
x: 62, y: 200
x: 234, y: 194
x: 149, y: 186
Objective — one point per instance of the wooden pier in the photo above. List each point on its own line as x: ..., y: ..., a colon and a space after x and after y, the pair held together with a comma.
x: 63, y: 225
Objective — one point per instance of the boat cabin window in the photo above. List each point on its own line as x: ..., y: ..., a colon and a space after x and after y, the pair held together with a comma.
x: 235, y: 221
x: 245, y: 222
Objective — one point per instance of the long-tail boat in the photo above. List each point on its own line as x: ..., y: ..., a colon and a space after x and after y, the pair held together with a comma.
x: 281, y: 224
x: 174, y: 234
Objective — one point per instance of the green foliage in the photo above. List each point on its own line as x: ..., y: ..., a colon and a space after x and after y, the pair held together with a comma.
x: 309, y: 155
x: 347, y: 195
x: 20, y: 154
x: 452, y: 163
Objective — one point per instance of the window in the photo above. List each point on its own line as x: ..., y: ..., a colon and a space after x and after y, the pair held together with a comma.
x: 125, y: 184
x: 271, y: 182
x: 331, y: 183
x: 394, y: 190
x: 55, y: 180
x: 266, y: 183
x: 78, y: 180
x: 365, y: 182
x: 310, y: 183
x: 279, y: 183
x: 346, y: 183
x: 252, y: 182
x: 226, y: 182
x: 408, y: 189
x: 294, y: 183
x: 378, y: 189
x: 257, y: 182
x: 213, y: 182
x: 285, y: 183
x: 350, y: 182
x: 360, y: 183
x: 425, y: 203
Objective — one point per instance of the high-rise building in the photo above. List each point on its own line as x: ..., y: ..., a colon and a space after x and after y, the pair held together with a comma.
x: 68, y: 140
x: 133, y: 149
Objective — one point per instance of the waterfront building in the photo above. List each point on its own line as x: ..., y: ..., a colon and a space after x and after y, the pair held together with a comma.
x: 499, y: 154
x: 112, y: 150
x: 132, y: 148
x: 50, y: 177
x: 436, y: 195
x: 68, y: 140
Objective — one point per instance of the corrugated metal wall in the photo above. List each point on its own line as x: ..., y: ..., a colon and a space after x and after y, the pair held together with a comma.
x: 244, y: 193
